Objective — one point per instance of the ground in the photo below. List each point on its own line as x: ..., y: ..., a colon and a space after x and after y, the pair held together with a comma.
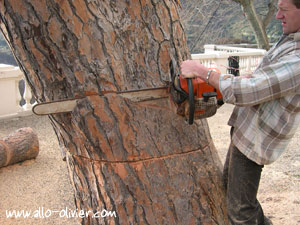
x: 42, y: 186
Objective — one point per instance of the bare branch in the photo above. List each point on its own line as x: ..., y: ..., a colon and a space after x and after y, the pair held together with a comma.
x: 270, y: 14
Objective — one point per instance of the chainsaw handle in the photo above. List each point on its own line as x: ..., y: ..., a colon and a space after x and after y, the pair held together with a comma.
x: 191, y: 100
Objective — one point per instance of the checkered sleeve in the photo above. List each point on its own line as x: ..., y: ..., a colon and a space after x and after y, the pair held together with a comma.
x: 267, y: 83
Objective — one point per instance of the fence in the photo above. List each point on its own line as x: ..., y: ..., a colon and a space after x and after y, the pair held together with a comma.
x: 216, y: 56
x: 15, y: 94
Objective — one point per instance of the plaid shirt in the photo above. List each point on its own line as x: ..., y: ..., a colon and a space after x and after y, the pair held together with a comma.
x: 267, y: 109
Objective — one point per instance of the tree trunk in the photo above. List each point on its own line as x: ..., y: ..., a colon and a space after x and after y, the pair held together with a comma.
x: 21, y: 145
x: 143, y: 163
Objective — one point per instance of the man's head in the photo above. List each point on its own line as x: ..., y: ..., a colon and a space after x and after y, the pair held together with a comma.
x: 289, y: 14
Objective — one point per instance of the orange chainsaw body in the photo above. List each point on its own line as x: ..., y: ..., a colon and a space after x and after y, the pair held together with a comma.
x: 200, y: 89
x: 203, y: 99
x: 199, y: 86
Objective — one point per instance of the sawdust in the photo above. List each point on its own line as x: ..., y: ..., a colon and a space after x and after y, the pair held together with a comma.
x: 40, y: 185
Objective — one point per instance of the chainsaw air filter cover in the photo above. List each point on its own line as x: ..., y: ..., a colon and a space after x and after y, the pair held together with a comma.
x: 203, y: 109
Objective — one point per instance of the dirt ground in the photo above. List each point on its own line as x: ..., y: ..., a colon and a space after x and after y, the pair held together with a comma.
x: 41, y: 186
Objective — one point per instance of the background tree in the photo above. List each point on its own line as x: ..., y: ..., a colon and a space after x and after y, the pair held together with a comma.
x: 197, y: 15
x: 144, y: 163
x: 258, y: 23
x: 6, y: 56
x: 223, y: 22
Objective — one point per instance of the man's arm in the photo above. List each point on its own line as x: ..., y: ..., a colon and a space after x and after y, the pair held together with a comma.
x: 268, y: 83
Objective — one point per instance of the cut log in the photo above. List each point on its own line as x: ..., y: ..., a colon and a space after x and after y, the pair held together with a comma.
x: 19, y: 146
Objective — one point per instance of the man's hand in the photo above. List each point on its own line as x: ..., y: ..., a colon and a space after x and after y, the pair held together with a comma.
x: 192, y: 68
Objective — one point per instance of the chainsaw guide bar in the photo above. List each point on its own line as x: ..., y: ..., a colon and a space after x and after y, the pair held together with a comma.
x: 63, y: 106
x: 203, y: 99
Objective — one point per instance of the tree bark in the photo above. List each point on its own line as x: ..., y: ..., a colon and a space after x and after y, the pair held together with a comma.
x: 21, y: 145
x: 143, y: 163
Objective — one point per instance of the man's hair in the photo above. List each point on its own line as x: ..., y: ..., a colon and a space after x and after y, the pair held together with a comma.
x: 296, y: 3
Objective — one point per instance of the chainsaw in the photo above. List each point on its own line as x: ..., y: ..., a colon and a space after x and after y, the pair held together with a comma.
x: 203, y: 100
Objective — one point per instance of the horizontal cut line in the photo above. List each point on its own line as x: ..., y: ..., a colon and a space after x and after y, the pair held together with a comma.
x: 143, y: 160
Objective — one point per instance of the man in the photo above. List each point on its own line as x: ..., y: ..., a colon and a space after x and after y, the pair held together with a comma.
x: 265, y: 118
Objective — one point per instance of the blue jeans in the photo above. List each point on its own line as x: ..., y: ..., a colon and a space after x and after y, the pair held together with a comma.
x: 241, y: 179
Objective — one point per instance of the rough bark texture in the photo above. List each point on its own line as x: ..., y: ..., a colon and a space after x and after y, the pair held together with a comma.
x: 144, y: 163
x: 21, y: 145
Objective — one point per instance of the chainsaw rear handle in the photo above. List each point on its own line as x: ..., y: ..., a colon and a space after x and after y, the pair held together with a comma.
x: 191, y: 100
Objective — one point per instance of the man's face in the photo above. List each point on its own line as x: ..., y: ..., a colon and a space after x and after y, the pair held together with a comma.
x: 289, y: 16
